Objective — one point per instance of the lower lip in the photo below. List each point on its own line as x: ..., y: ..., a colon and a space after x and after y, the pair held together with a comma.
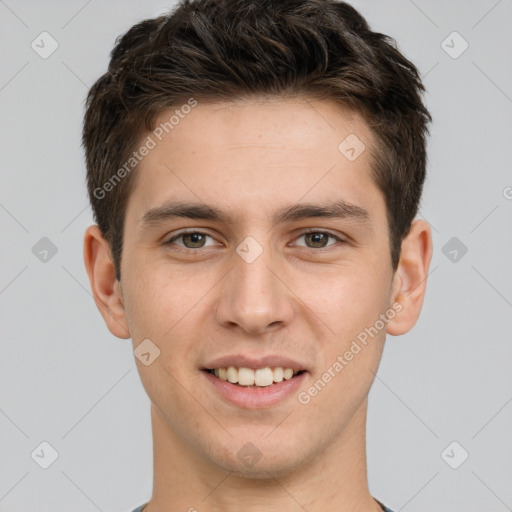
x: 255, y: 398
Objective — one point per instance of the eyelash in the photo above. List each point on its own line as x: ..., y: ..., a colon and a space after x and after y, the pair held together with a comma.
x: 316, y: 231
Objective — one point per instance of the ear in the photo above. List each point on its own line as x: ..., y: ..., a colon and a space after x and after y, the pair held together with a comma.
x: 410, y: 279
x: 106, y: 289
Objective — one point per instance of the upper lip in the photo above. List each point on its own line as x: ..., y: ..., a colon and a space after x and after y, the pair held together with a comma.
x: 244, y: 361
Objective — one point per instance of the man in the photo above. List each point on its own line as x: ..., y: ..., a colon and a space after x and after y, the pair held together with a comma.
x: 255, y: 168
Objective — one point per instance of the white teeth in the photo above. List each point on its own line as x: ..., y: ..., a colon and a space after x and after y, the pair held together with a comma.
x: 288, y: 374
x: 245, y: 377
x: 263, y: 377
x: 232, y: 375
x: 248, y: 377
x: 278, y: 374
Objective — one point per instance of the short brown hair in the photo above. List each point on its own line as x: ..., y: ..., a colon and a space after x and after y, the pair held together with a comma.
x: 230, y: 49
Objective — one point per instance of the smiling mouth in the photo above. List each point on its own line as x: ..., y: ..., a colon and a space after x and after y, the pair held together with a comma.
x: 258, y: 378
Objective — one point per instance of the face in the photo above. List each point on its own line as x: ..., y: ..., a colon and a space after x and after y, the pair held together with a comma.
x: 251, y: 275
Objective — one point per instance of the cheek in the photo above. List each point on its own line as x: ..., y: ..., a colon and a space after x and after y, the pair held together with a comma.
x: 165, y: 307
x: 348, y: 301
x: 158, y: 297
x: 351, y: 307
x: 352, y: 310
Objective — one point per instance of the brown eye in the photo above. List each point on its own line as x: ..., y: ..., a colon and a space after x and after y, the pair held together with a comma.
x: 318, y: 239
x: 192, y: 240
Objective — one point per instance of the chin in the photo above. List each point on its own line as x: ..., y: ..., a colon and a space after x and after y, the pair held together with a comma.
x: 259, y: 461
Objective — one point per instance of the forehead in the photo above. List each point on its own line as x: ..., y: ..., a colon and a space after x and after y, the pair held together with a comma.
x: 257, y: 155
x: 275, y: 122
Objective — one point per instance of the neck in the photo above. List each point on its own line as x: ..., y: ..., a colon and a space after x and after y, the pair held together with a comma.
x: 334, y: 481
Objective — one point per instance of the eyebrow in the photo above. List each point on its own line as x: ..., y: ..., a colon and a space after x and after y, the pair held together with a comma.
x: 177, y: 209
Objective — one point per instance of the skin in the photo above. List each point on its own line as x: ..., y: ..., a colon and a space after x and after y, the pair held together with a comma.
x: 300, y: 298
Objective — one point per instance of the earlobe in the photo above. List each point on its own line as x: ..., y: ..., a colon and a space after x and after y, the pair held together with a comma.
x: 105, y: 288
x: 410, y: 280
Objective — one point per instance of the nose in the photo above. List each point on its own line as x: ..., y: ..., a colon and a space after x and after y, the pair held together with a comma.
x: 254, y: 295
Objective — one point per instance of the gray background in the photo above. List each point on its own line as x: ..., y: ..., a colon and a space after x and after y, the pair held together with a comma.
x: 66, y: 380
